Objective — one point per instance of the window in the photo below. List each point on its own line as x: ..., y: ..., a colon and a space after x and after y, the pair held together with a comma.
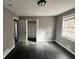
x: 68, y: 28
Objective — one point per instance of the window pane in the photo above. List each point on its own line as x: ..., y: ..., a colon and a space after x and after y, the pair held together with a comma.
x: 68, y: 28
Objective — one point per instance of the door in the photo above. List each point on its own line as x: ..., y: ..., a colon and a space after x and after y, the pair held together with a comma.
x: 32, y: 31
x: 15, y: 31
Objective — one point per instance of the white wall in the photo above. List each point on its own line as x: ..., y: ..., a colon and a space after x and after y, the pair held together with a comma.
x: 46, y: 27
x: 8, y: 29
x: 22, y: 30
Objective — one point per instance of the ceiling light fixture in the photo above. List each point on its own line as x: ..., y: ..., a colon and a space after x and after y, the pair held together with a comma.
x: 41, y: 2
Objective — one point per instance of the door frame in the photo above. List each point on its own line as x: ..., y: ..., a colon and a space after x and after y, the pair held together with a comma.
x: 15, y: 38
x: 27, y: 28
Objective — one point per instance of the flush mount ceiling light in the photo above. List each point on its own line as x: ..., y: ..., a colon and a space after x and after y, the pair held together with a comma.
x: 41, y: 2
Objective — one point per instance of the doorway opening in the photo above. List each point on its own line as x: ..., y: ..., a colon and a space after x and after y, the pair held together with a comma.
x: 31, y: 30
x: 15, y: 30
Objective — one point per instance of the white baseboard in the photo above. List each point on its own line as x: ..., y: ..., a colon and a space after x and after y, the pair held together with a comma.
x: 45, y: 40
x: 7, y: 51
x: 65, y: 47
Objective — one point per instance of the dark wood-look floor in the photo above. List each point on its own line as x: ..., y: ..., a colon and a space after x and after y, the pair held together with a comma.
x: 41, y: 50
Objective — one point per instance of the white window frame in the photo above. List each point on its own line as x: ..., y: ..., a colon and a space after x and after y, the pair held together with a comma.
x: 63, y: 31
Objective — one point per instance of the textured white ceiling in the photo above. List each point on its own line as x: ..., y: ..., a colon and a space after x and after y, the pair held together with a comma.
x: 30, y: 7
